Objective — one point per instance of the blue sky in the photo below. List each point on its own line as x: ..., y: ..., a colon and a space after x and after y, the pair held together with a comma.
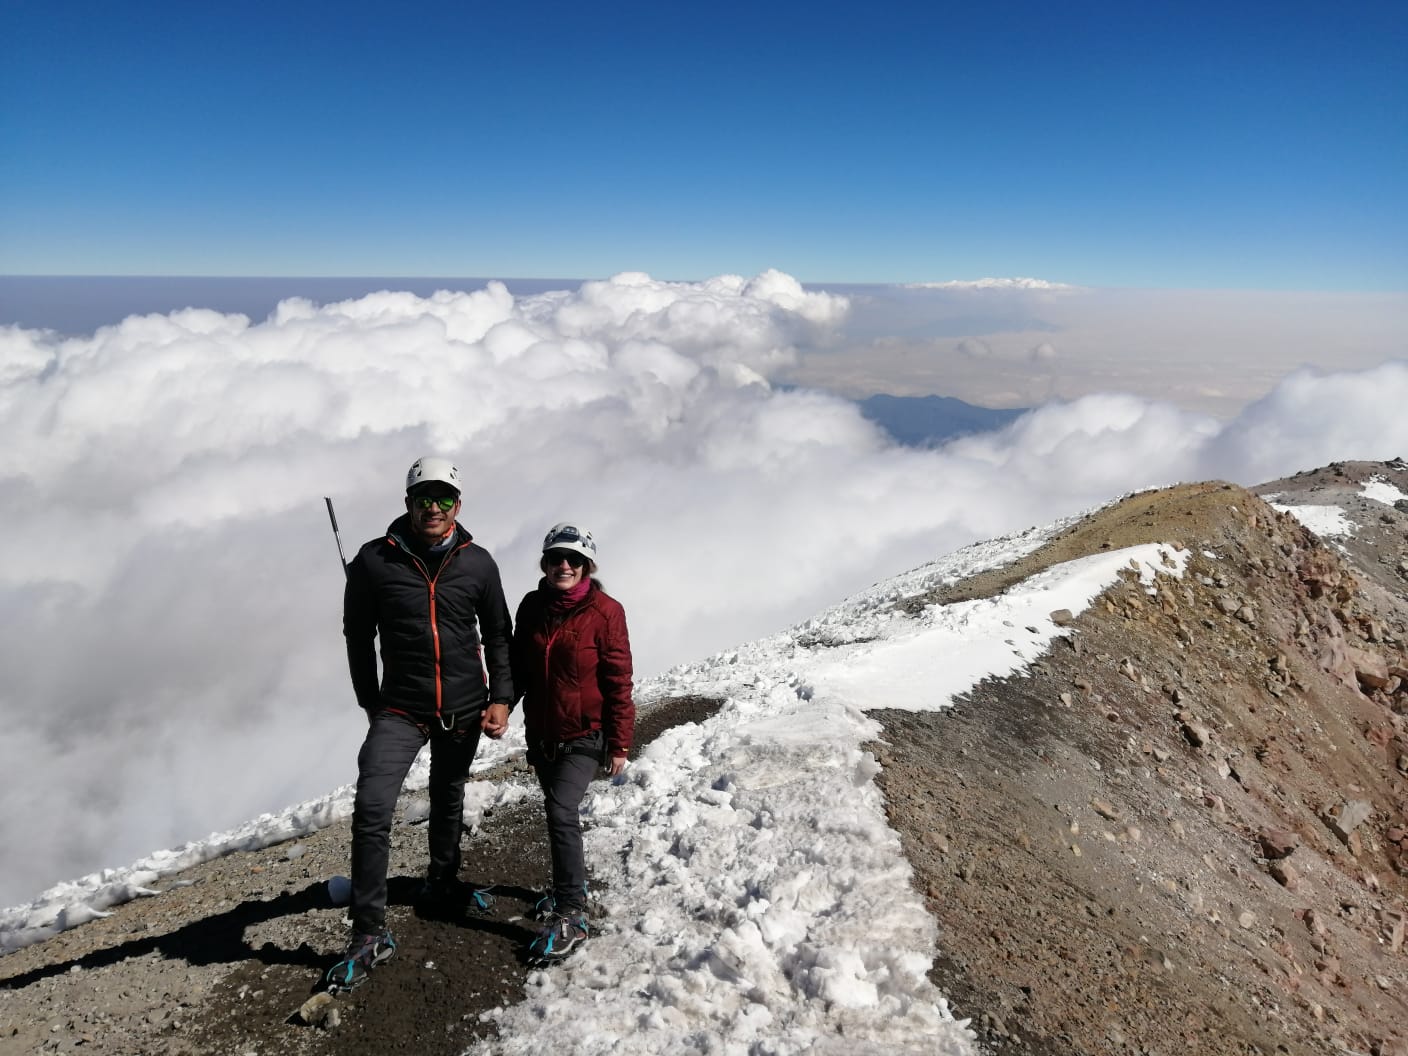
x: 1236, y: 145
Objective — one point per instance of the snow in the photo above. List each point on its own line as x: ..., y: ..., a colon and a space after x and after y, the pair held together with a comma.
x: 951, y: 648
x: 1331, y: 522
x: 758, y: 896
x: 1325, y: 521
x: 1380, y: 490
x: 755, y: 898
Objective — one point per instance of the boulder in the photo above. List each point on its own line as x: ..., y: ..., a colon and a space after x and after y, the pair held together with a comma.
x: 1277, y: 843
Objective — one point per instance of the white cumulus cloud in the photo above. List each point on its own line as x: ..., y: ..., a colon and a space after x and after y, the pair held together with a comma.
x: 170, y: 595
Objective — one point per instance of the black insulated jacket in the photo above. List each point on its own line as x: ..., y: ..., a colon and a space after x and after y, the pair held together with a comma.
x: 433, y: 657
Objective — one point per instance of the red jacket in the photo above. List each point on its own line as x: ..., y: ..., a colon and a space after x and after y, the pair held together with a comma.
x: 574, y: 673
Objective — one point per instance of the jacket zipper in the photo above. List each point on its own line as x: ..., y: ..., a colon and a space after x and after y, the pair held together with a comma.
x: 435, y: 635
x: 434, y: 622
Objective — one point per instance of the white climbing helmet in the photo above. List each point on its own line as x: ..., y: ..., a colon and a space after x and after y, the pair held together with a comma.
x: 432, y: 468
x: 566, y: 536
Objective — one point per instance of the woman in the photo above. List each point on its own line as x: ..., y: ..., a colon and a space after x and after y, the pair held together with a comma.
x: 572, y: 663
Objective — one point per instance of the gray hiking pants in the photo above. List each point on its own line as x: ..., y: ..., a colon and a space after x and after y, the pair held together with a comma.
x: 387, y: 754
x: 564, y: 778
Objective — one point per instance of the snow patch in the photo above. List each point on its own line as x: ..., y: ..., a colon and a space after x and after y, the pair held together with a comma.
x: 1328, y: 522
x: 757, y: 899
x: 1380, y: 490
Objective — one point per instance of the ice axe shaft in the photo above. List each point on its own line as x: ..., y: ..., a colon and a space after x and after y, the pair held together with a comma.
x: 332, y: 516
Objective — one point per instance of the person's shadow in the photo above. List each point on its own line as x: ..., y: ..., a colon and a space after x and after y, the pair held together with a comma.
x: 219, y: 939
x: 468, y: 912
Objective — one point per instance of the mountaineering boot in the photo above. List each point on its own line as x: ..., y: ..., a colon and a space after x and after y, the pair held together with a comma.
x: 546, y: 907
x: 559, y: 937
x: 364, y: 953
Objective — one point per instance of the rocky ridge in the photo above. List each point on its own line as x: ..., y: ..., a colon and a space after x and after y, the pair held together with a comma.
x: 1186, y: 828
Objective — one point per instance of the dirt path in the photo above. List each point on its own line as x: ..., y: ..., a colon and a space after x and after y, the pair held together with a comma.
x: 218, y: 962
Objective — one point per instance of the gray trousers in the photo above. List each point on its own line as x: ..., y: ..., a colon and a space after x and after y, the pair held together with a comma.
x: 387, y: 754
x: 564, y: 779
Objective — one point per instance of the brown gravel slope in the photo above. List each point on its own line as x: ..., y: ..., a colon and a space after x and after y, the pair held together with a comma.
x: 1094, y: 837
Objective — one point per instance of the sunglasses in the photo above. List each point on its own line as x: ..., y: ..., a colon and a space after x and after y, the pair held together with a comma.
x: 556, y: 557
x: 445, y: 502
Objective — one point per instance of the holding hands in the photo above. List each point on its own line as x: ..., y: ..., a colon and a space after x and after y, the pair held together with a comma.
x: 495, y: 720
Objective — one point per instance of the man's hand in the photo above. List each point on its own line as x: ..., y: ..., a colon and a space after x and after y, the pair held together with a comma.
x: 617, y: 765
x: 495, y: 720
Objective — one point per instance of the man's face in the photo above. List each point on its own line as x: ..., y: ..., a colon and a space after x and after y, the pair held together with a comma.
x: 430, y: 519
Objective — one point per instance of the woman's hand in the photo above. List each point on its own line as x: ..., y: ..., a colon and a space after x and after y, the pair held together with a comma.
x: 495, y: 720
x: 616, y: 766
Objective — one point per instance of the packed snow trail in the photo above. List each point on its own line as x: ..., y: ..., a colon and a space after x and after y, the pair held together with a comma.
x: 758, y: 901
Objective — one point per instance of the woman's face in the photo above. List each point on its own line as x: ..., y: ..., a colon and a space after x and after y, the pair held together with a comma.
x: 564, y: 568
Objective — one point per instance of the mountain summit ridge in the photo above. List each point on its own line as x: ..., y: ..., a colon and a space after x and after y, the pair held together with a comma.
x: 1183, y: 829
x: 1177, y: 825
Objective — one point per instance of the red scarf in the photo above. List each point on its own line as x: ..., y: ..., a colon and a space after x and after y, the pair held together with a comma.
x: 561, y: 602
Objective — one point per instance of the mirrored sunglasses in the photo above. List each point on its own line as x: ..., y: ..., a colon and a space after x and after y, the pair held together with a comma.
x: 445, y: 502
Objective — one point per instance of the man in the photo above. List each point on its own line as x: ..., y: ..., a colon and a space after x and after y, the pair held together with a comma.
x: 434, y: 598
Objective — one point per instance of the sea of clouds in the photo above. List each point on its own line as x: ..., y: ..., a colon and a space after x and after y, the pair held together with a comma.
x: 170, y: 637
